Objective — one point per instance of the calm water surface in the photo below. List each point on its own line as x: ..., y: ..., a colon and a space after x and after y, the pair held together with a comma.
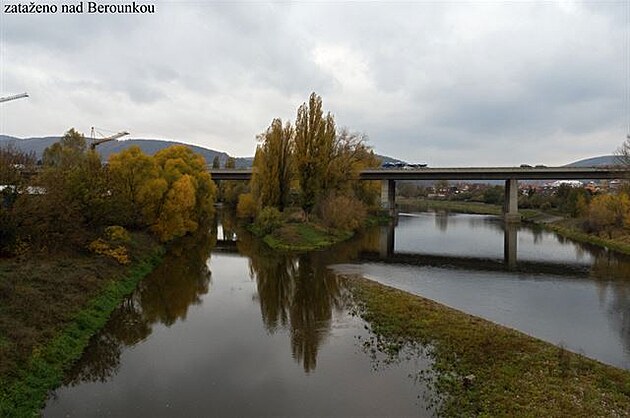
x: 230, y: 328
x: 238, y: 335
x: 563, y: 292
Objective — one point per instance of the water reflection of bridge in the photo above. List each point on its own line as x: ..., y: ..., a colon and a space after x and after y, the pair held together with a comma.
x: 226, y: 246
x: 388, y: 254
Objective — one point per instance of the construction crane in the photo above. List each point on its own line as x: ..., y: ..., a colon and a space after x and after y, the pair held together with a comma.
x: 99, y: 141
x: 15, y: 96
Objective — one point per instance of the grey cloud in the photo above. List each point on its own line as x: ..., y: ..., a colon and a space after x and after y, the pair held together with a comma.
x: 464, y: 78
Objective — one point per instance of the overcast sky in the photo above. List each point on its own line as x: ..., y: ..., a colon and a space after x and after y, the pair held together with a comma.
x: 447, y: 83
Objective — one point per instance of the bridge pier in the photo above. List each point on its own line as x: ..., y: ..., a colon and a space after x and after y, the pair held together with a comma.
x: 510, y: 202
x: 388, y: 196
x: 387, y: 240
x: 510, y: 244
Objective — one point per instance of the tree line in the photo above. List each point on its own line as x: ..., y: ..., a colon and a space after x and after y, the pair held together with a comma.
x: 75, y: 200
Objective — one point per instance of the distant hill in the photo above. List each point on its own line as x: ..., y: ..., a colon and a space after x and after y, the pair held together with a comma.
x: 149, y: 146
x: 604, y: 160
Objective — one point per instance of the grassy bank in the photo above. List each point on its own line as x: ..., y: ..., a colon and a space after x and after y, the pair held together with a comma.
x: 308, y: 236
x: 448, y: 205
x: 50, y: 308
x: 304, y: 237
x: 483, y: 369
x: 568, y: 229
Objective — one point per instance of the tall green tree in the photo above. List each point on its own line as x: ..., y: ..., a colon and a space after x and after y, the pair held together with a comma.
x: 315, y: 136
x: 75, y: 202
x: 272, y: 176
x: 69, y: 152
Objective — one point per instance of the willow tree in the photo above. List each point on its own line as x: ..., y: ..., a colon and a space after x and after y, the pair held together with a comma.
x: 172, y: 190
x: 314, y: 150
x: 184, y: 190
x: 271, y: 181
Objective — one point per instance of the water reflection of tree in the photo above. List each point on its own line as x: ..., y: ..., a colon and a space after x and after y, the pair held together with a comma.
x: 298, y: 292
x: 441, y: 220
x: 164, y: 296
x: 177, y: 283
x: 612, y: 272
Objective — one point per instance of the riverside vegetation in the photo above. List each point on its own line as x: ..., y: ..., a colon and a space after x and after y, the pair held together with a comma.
x: 483, y: 369
x: 303, y: 193
x: 601, y: 219
x: 74, y: 240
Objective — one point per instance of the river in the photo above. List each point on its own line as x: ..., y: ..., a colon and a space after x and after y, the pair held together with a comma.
x: 228, y: 327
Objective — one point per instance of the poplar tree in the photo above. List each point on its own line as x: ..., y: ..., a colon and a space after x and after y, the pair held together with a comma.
x: 314, y: 150
x: 271, y: 181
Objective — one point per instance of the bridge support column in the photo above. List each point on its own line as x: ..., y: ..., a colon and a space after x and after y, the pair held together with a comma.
x: 388, y: 196
x: 510, y: 204
x: 387, y: 240
x: 510, y: 241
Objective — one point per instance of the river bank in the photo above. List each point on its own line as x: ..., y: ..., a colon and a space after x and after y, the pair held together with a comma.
x: 483, y: 369
x: 50, y: 308
x: 569, y: 228
x: 309, y: 236
x: 304, y: 237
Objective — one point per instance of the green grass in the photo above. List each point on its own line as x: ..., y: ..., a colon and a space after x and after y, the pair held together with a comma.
x: 304, y: 237
x: 56, y: 333
x: 571, y: 232
x: 514, y: 374
x: 449, y: 205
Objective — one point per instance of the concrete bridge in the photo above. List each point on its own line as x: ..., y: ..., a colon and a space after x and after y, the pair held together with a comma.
x: 511, y: 176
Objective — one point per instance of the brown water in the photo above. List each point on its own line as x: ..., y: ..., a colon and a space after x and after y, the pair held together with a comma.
x: 233, y: 329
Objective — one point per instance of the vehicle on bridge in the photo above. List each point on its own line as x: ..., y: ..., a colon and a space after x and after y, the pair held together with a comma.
x: 403, y: 165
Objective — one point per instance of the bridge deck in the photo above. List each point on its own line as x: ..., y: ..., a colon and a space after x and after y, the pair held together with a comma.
x: 464, y: 173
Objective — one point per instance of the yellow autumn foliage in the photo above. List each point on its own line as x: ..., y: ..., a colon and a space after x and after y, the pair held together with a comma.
x: 118, y: 253
x: 171, y: 192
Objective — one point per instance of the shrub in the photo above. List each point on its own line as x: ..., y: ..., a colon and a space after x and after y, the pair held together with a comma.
x: 267, y: 221
x: 8, y: 233
x: 247, y: 207
x: 118, y: 253
x: 342, y: 212
x: 117, y: 234
x: 607, y: 212
x: 113, y: 244
x: 493, y: 195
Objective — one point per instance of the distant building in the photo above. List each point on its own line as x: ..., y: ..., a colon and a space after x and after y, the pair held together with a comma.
x: 571, y: 183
